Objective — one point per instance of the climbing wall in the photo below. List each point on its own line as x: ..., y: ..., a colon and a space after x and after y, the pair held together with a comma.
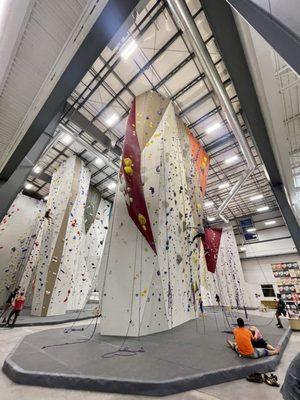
x: 61, y: 238
x: 228, y: 280
x: 18, y: 236
x: 89, y: 258
x: 149, y: 279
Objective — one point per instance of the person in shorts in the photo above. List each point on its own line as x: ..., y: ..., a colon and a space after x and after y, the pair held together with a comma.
x: 281, y: 310
x: 243, y: 343
x: 258, y: 340
x: 8, y: 303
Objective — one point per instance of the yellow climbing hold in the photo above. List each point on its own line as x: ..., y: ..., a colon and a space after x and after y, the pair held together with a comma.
x: 127, y: 162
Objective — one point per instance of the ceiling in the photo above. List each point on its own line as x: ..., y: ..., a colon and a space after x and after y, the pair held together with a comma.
x: 163, y: 61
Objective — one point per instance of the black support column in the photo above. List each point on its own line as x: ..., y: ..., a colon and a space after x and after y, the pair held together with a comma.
x: 222, y: 23
x: 282, y: 38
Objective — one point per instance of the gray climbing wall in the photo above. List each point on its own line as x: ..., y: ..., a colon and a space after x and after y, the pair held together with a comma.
x: 89, y: 256
x: 143, y: 292
x: 18, y: 236
x: 61, y: 238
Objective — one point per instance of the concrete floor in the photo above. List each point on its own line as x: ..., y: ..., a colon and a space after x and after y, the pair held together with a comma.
x: 236, y: 390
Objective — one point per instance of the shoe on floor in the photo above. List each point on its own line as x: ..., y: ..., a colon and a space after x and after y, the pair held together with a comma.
x: 271, y: 380
x: 256, y: 377
x: 279, y: 326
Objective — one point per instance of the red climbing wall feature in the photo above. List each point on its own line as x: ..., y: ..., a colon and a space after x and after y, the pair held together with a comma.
x: 131, y: 171
x: 200, y: 159
x: 211, y: 244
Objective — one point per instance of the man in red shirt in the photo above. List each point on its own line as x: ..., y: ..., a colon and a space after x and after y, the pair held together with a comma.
x: 17, y: 305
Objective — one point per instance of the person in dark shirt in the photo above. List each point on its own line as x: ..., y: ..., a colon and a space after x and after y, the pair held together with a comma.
x: 281, y: 310
x: 8, y: 303
x: 217, y: 297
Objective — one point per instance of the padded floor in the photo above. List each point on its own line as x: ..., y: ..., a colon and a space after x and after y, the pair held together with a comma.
x: 25, y: 319
x: 190, y: 356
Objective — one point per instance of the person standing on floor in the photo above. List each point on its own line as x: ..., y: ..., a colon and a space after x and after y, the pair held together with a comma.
x: 18, y: 305
x: 281, y: 310
x: 8, y: 303
x: 217, y: 297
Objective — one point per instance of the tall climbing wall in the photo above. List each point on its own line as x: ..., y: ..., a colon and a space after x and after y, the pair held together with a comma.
x: 18, y: 236
x: 149, y: 279
x: 228, y: 279
x: 60, y: 240
x: 91, y: 248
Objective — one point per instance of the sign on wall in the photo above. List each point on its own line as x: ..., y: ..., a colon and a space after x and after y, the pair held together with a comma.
x: 287, y: 277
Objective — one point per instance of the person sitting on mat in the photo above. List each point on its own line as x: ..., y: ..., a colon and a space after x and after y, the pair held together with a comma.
x: 243, y: 343
x: 258, y: 340
x: 281, y: 310
x: 18, y: 305
x: 8, y: 303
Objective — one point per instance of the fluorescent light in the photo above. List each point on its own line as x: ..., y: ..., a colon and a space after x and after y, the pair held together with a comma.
x: 223, y: 185
x: 46, y: 197
x: 231, y: 159
x: 251, y: 230
x: 273, y: 222
x: 28, y: 186
x: 112, y: 185
x: 213, y: 127
x: 129, y: 49
x: 112, y: 119
x: 257, y: 197
x: 208, y: 203
x: 66, y: 139
x: 242, y: 248
x: 37, y: 169
x: 211, y: 219
x: 99, y: 162
x: 264, y: 208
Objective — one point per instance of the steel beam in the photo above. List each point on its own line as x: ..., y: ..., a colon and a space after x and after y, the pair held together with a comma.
x: 83, y: 123
x: 110, y: 20
x: 280, y: 37
x: 10, y: 188
x: 221, y: 20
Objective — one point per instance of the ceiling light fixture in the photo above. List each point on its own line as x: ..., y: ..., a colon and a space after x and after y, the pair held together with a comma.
x: 232, y: 159
x: 98, y: 162
x: 37, y: 169
x: 111, y: 185
x: 112, y: 119
x: 46, y: 198
x: 67, y: 139
x: 28, y: 186
x: 208, y: 203
x: 242, y: 248
x: 213, y: 127
x: 129, y: 49
x: 251, y: 230
x: 273, y: 222
x: 223, y: 185
x: 264, y: 208
x: 257, y: 197
x: 211, y: 219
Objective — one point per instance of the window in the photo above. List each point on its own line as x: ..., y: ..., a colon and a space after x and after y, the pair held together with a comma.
x: 248, y: 230
x: 268, y: 290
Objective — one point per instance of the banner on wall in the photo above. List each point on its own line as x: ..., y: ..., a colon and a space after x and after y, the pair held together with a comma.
x: 287, y: 278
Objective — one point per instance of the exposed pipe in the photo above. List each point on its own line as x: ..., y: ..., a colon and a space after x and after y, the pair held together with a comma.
x: 182, y: 14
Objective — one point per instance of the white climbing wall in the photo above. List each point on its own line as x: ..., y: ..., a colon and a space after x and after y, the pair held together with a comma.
x: 61, y: 238
x: 228, y: 280
x: 141, y: 292
x: 89, y: 258
x: 18, y: 236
